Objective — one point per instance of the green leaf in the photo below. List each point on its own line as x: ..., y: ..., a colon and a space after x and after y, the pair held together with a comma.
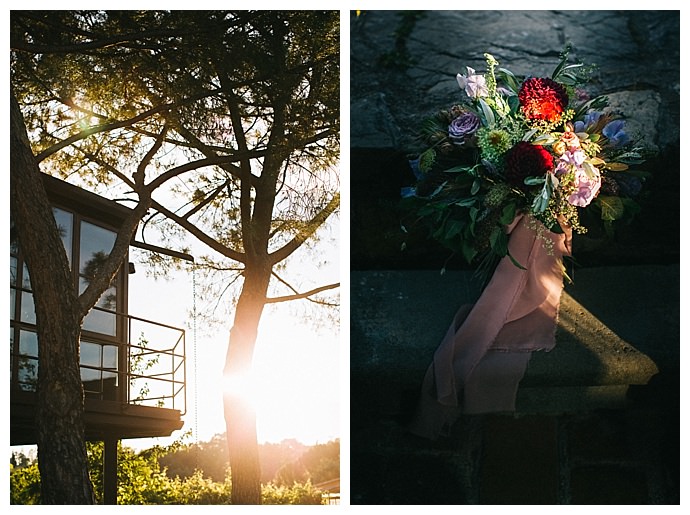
x: 515, y: 261
x: 466, y: 202
x: 509, y: 80
x: 475, y: 187
x: 534, y: 181
x: 427, y: 160
x: 468, y: 251
x: 514, y: 103
x: 453, y: 228
x: 438, y: 189
x: 459, y: 169
x: 562, y: 63
x: 499, y: 241
x: 528, y: 135
x: 612, y: 208
x: 488, y: 113
x: 545, y: 139
x: 508, y: 213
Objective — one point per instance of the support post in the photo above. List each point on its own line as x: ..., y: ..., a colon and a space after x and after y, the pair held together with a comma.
x: 110, y: 470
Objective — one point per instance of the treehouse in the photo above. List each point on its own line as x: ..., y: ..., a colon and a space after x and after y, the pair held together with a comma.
x: 132, y: 369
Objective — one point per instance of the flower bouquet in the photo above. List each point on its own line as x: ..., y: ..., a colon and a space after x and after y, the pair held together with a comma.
x: 536, y: 146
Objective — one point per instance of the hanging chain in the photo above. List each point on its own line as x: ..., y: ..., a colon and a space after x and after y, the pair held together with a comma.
x: 196, y: 382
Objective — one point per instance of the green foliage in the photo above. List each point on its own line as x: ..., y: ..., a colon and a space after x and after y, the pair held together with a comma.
x: 143, y: 481
x: 297, y: 493
x: 25, y: 484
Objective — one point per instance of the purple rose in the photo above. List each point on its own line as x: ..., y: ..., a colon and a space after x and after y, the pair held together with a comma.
x: 462, y: 127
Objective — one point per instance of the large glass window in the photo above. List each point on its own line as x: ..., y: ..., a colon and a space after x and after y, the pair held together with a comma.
x: 95, y: 244
x: 87, y: 245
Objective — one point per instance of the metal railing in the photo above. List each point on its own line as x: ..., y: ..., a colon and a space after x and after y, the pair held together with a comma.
x: 144, y: 365
x: 156, y: 365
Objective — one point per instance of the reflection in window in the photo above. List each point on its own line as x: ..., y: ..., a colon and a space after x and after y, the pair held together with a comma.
x: 95, y: 246
x: 63, y: 219
x: 28, y: 314
x: 89, y: 355
x: 101, y: 381
x: 13, y: 271
x: 27, y: 362
x: 26, y: 281
x: 101, y: 321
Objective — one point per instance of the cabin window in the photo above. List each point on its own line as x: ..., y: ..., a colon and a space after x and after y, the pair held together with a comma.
x: 87, y: 245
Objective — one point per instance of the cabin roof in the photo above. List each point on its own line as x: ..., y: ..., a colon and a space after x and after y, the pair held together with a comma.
x: 63, y: 193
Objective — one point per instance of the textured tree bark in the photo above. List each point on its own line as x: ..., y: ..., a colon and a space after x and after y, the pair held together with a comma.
x: 61, y: 451
x: 240, y: 415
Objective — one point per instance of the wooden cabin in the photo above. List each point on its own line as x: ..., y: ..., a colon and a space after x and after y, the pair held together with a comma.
x: 132, y: 370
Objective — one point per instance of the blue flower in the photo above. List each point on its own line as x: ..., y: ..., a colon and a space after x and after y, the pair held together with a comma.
x: 590, y: 119
x: 408, y: 191
x: 615, y: 133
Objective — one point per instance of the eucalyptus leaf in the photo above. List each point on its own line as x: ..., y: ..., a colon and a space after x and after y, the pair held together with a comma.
x: 438, y: 189
x: 509, y: 80
x: 616, y: 167
x: 534, y: 181
x: 466, y: 202
x: 528, y: 135
x: 488, y: 113
x: 545, y: 139
x: 459, y: 169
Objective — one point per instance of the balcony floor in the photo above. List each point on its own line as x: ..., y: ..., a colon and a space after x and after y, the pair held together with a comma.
x: 102, y: 419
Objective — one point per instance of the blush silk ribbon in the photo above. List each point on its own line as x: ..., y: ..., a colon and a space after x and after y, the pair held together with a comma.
x: 484, y: 355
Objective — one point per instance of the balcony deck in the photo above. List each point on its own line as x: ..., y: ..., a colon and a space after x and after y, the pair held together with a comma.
x: 102, y: 419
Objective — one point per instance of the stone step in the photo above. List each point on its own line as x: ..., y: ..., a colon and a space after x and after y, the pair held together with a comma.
x: 398, y: 318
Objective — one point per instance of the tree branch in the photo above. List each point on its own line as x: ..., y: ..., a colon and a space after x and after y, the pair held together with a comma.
x: 309, y: 230
x: 105, y: 127
x: 304, y: 295
x: 200, y: 235
x: 206, y: 201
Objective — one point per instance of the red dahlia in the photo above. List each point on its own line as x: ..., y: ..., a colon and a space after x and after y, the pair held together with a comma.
x: 542, y: 99
x: 527, y: 160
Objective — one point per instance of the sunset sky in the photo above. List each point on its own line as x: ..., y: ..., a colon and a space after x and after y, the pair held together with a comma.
x: 298, y: 392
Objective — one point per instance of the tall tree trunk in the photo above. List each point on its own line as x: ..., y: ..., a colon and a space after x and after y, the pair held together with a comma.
x: 240, y: 415
x: 62, y: 459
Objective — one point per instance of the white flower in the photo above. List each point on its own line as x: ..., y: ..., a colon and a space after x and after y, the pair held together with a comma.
x: 473, y: 84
